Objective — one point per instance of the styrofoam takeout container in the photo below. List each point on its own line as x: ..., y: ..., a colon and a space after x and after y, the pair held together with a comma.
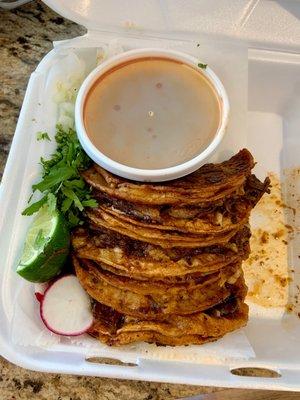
x: 258, y: 40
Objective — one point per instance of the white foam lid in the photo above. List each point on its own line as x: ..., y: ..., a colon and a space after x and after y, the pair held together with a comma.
x: 272, y: 24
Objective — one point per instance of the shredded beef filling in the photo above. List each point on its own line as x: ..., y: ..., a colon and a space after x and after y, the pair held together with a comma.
x: 105, y: 238
x: 231, y: 207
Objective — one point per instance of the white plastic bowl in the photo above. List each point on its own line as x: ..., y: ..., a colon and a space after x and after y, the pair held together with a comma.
x: 149, y: 175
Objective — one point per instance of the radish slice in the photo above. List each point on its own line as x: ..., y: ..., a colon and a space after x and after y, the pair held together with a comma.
x: 39, y: 290
x: 66, y: 308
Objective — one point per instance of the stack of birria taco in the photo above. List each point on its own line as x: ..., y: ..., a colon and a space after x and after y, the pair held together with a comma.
x: 163, y: 261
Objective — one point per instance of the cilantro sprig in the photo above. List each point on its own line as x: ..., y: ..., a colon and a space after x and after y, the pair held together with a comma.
x: 42, y: 136
x: 202, y: 66
x: 62, y: 185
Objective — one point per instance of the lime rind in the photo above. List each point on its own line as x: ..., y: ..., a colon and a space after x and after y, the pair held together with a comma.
x: 44, y: 223
x: 46, y: 247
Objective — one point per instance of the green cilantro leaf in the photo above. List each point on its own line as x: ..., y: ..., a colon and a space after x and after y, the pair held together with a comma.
x: 55, y: 176
x: 89, y: 203
x: 72, y: 196
x: 34, y: 207
x: 42, y: 136
x: 73, y: 219
x: 66, y: 204
x: 61, y: 183
x: 203, y: 66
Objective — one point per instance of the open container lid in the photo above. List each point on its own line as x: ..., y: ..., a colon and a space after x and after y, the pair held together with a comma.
x: 263, y: 23
x: 172, y: 19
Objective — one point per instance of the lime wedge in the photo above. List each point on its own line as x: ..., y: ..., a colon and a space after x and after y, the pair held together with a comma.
x: 46, y: 247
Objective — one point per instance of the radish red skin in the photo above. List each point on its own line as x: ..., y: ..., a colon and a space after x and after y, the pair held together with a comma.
x: 39, y: 296
x: 44, y: 319
x: 40, y: 289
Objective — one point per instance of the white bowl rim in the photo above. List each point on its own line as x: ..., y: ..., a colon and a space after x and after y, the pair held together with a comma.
x: 149, y: 175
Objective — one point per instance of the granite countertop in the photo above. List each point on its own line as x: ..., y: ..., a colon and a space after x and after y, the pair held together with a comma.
x: 26, y: 36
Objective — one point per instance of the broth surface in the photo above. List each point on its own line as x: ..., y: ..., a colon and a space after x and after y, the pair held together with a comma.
x: 152, y: 113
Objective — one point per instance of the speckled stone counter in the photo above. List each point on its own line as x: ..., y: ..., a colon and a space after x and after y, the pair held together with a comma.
x: 26, y: 35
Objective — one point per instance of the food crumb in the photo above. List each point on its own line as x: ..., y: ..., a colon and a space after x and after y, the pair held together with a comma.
x: 289, y: 228
x: 283, y: 281
x: 289, y: 308
x: 264, y: 237
x: 278, y: 234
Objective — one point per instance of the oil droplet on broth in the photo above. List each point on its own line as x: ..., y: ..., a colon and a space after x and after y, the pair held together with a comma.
x: 173, y: 102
